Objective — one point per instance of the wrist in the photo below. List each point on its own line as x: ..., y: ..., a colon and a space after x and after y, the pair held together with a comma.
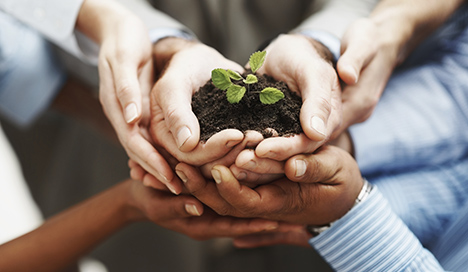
x: 326, y: 43
x: 165, y: 48
x: 96, y: 18
x: 131, y: 210
x: 363, y: 195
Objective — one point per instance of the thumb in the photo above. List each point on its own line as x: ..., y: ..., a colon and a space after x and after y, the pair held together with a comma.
x: 321, y: 166
x: 357, y: 51
x: 128, y: 90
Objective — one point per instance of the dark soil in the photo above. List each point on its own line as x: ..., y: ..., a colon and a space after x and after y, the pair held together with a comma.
x: 215, y: 113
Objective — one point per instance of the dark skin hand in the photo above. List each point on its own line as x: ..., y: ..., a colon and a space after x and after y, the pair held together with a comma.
x: 318, y: 189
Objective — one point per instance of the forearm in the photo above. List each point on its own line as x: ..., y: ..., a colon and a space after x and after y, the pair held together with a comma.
x: 68, y: 235
x: 336, y: 16
x: 98, y: 17
x: 373, y: 238
x: 407, y: 23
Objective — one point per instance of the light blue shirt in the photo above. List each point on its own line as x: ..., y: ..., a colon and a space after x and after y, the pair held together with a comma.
x: 414, y: 148
x: 30, y: 76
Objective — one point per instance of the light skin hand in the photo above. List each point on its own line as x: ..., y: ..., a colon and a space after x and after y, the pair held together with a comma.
x: 126, y: 75
x: 320, y: 188
x: 184, y: 67
x: 300, y: 63
x: 372, y: 47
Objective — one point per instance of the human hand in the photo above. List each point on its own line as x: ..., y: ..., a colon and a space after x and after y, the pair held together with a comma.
x: 372, y: 47
x: 319, y: 188
x: 187, y: 215
x: 126, y: 76
x: 301, y: 63
x: 187, y: 66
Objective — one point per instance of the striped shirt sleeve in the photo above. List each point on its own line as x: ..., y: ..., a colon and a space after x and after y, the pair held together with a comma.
x: 371, y: 237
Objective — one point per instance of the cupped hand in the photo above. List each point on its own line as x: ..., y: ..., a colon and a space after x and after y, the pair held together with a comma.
x: 184, y: 67
x: 126, y: 76
x: 303, y: 65
x: 186, y: 215
x: 368, y: 58
x: 320, y: 188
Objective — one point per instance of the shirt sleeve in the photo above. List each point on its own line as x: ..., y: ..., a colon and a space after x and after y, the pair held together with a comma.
x: 371, y: 237
x: 329, y: 24
x: 55, y: 19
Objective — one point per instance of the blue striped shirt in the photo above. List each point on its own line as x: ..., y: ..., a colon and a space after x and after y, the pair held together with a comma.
x: 414, y: 148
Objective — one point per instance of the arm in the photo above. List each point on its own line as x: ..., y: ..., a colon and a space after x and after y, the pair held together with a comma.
x: 396, y: 28
x: 304, y: 59
x: 69, y: 235
x: 324, y: 189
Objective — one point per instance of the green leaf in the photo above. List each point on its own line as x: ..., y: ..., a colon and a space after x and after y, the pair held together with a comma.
x: 220, y: 78
x: 256, y: 60
x: 235, y: 93
x: 250, y: 79
x: 234, y: 75
x: 271, y: 95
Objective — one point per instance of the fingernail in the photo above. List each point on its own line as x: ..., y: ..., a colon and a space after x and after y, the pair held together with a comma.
x: 318, y: 124
x: 241, y: 176
x: 171, y: 187
x: 182, y: 176
x: 131, y: 112
x: 301, y: 168
x: 192, y: 209
x: 183, y: 135
x: 216, y: 175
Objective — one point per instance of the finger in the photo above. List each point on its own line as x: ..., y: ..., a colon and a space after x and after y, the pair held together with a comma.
x: 272, y: 238
x: 282, y: 148
x: 360, y: 100
x: 127, y: 88
x: 357, y: 49
x: 204, y: 190
x: 164, y: 206
x: 137, y: 147
x: 247, y: 160
x: 245, y: 201
x: 314, y: 168
x: 317, y: 107
x: 141, y: 151
x: 136, y: 171
x: 251, y: 139
x: 252, y: 179
x: 211, y: 225
x: 216, y: 147
x: 175, y: 100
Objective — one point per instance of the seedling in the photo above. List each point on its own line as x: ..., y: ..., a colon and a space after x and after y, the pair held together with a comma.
x: 222, y: 80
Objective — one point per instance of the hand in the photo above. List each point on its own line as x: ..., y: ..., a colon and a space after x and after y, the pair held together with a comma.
x: 372, y: 47
x: 186, y: 215
x: 251, y: 139
x: 301, y: 64
x: 126, y: 77
x: 319, y: 188
x: 187, y: 67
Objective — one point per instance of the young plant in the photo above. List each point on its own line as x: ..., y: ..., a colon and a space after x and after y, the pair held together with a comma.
x: 222, y: 80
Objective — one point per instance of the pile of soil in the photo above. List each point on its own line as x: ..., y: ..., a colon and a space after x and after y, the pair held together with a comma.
x: 215, y: 113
